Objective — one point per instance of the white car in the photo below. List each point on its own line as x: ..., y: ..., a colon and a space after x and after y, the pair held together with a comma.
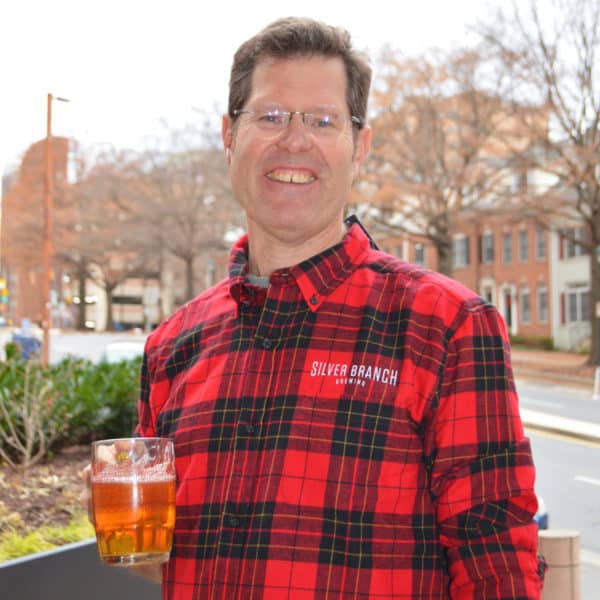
x: 120, y: 350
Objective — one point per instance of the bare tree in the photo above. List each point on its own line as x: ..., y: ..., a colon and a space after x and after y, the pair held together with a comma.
x: 441, y: 138
x: 99, y: 237
x: 185, y: 201
x: 550, y: 51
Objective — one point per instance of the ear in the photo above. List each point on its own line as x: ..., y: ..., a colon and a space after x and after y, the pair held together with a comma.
x: 361, y: 148
x: 227, y: 136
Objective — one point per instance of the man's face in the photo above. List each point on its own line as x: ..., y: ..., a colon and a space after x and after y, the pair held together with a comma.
x: 293, y: 183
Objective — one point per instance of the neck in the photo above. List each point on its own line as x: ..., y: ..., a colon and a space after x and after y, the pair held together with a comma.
x: 268, y: 252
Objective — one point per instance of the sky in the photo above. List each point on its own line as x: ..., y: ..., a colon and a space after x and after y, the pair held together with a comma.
x: 134, y: 69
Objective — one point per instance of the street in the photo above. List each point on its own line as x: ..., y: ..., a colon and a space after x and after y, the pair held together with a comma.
x: 568, y: 472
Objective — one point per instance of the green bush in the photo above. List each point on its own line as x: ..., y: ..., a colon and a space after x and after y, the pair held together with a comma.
x: 538, y: 343
x: 31, y: 419
x: 101, y: 401
x: 74, y: 401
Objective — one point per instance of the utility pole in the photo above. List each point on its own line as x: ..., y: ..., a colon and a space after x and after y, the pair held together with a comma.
x: 48, y: 232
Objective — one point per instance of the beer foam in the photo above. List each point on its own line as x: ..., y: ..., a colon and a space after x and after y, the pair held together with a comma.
x: 116, y: 474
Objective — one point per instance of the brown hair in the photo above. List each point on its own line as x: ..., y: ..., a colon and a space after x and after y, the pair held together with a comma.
x: 293, y: 37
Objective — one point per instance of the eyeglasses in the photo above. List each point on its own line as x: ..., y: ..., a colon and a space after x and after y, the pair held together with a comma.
x: 321, y: 124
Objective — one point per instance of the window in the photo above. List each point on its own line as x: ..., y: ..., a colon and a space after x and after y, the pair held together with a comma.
x: 507, y: 248
x: 399, y: 250
x: 525, y: 305
x: 460, y: 252
x: 542, y: 304
x: 487, y: 248
x: 487, y: 293
x: 420, y: 254
x: 578, y: 304
x: 540, y: 243
x: 523, y: 245
x: 571, y: 247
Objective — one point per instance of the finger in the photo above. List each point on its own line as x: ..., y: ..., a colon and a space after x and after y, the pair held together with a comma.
x: 85, y: 498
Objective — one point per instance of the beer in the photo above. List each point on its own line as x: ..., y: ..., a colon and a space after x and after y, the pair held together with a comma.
x: 133, y: 501
x: 134, y: 518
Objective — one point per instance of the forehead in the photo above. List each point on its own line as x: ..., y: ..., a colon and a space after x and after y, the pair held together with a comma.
x: 300, y: 81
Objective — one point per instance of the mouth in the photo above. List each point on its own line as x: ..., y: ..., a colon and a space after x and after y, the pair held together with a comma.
x: 299, y: 177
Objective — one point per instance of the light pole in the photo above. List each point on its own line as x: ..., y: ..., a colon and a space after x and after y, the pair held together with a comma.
x: 47, y: 246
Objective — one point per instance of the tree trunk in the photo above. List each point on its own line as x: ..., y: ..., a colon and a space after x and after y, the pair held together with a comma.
x: 444, y: 251
x: 82, y: 291
x: 109, y: 310
x: 594, y: 358
x: 189, y: 278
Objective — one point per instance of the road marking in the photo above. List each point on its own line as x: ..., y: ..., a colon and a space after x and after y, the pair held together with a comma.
x: 563, y: 437
x: 554, y: 423
x: 587, y: 479
x: 536, y: 402
x: 589, y: 558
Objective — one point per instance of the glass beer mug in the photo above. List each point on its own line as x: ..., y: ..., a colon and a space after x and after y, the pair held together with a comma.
x: 133, y: 499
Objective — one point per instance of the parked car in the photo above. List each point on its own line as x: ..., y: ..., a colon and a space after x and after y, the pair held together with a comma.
x: 120, y: 350
x: 28, y: 340
x: 541, y: 516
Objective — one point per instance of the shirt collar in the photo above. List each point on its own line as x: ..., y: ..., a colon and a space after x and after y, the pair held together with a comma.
x: 316, y: 277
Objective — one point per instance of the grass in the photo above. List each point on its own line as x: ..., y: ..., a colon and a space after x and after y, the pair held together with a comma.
x: 14, y: 545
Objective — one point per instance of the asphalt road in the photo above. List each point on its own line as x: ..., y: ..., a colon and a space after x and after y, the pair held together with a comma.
x: 568, y: 479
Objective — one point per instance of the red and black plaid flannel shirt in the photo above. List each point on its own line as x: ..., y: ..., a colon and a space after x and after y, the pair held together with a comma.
x: 351, y: 431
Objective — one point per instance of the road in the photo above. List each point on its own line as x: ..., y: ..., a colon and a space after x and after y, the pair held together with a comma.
x: 568, y: 472
x: 87, y: 345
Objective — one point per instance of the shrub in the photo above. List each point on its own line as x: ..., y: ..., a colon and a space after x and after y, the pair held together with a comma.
x: 75, y: 401
x: 544, y: 343
x: 31, y: 419
x: 101, y: 402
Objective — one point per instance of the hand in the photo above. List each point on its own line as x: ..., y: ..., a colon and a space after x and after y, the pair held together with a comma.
x: 107, y: 454
x: 85, y: 498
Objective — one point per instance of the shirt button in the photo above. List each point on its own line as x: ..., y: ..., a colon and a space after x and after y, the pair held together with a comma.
x: 267, y: 344
x: 314, y: 300
x: 249, y: 428
x: 234, y: 522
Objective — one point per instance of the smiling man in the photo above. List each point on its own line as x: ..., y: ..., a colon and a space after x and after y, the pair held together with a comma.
x: 345, y: 423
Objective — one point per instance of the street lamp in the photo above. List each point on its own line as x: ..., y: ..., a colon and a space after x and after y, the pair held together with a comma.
x: 47, y: 247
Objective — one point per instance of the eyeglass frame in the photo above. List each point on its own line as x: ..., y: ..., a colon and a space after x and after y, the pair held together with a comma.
x: 354, y: 120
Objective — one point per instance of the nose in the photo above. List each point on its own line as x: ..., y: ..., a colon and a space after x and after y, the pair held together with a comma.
x: 296, y: 137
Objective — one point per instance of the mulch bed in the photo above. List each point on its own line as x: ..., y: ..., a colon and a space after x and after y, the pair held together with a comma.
x: 47, y: 494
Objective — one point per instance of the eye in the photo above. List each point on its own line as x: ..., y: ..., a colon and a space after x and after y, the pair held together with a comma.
x: 324, y: 121
x: 272, y: 117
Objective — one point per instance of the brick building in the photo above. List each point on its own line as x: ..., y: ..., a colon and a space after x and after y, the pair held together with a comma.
x: 537, y: 277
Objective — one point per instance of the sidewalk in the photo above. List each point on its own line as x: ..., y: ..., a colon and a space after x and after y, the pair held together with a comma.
x: 567, y: 368
x: 561, y: 368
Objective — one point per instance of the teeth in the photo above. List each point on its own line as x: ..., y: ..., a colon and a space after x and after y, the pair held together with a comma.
x: 290, y: 176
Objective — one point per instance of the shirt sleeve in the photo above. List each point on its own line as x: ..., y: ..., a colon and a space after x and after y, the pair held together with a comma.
x: 155, y: 383
x: 481, y: 468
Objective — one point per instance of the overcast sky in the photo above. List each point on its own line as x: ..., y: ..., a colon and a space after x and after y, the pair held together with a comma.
x: 128, y: 66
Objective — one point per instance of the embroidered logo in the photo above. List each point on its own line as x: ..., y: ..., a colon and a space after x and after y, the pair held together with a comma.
x: 354, y: 374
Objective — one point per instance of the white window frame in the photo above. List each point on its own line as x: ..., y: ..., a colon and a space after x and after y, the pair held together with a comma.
x: 541, y: 243
x: 460, y: 251
x: 542, y: 309
x: 487, y: 248
x: 523, y: 245
x: 525, y: 305
x: 420, y: 254
x: 507, y: 249
x: 575, y: 305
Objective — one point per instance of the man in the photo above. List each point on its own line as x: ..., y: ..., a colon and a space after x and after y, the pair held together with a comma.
x: 345, y: 424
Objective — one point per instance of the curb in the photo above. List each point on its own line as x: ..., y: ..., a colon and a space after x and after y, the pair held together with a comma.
x: 582, y: 430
